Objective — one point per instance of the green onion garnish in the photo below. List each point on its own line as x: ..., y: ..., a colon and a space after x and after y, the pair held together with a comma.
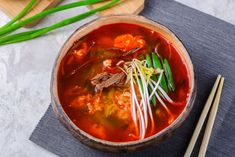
x: 150, y: 64
x: 139, y: 77
x: 168, y: 73
x: 157, y: 64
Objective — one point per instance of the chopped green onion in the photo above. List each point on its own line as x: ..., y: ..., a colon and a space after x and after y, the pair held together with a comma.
x: 150, y: 64
x: 141, y: 85
x: 157, y: 64
x: 169, y: 77
x: 156, y: 61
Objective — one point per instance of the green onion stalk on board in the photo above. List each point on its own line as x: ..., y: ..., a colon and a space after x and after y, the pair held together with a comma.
x: 20, y: 15
x: 19, y: 37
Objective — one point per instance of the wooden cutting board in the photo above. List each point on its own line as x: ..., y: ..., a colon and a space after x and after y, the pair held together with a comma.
x: 13, y: 7
x: 126, y: 7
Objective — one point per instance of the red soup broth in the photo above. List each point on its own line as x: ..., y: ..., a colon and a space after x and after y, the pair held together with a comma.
x: 106, y: 114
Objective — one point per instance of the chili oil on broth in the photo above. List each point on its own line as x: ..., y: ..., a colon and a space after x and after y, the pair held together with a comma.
x: 106, y: 115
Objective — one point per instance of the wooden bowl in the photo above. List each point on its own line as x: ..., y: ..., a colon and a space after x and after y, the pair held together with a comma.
x: 121, y: 146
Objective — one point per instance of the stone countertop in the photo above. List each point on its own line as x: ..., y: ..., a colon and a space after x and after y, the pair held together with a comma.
x: 25, y: 70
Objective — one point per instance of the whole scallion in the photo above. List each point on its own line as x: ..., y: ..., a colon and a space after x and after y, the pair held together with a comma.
x: 45, y: 13
x: 20, y: 15
x: 9, y: 39
x: 36, y: 33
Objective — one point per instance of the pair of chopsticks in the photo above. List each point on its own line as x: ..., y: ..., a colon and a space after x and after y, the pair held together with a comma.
x: 213, y: 100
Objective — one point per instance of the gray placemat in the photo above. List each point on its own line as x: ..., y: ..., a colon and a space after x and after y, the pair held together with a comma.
x: 211, y: 43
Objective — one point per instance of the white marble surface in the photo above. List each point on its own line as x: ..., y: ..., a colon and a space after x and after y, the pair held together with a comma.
x: 25, y: 76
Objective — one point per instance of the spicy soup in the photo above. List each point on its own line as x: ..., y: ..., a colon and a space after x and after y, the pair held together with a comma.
x: 123, y: 82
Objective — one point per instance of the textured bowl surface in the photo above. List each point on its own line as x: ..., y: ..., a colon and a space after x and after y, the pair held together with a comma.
x: 121, y: 146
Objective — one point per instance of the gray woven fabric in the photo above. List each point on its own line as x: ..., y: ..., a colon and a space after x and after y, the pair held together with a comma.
x: 211, y: 44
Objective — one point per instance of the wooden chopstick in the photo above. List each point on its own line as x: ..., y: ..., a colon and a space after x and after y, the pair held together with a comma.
x: 211, y: 120
x: 202, y: 118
